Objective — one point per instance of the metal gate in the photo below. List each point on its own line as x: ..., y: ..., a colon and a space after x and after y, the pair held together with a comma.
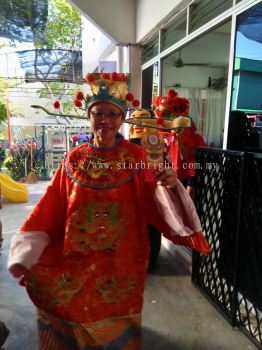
x: 229, y: 203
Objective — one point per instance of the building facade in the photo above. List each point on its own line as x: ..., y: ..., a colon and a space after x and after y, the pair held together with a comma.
x: 191, y: 46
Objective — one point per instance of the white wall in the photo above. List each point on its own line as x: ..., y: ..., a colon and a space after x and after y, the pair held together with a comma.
x: 196, y: 77
x: 96, y: 46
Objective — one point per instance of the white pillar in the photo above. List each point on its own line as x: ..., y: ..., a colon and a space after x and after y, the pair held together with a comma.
x: 134, y: 69
x: 134, y: 58
x: 120, y: 59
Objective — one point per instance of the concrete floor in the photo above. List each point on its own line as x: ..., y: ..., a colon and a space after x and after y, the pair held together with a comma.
x: 176, y: 315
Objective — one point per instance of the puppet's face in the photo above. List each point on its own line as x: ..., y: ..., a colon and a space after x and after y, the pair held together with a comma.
x: 136, y: 131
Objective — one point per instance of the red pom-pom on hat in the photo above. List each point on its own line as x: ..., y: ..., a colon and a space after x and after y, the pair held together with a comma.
x: 160, y: 120
x: 77, y: 103
x: 104, y: 76
x: 163, y: 101
x: 122, y: 76
x: 158, y: 112
x: 136, y: 103
x: 90, y: 78
x: 129, y: 96
x: 157, y: 100
x: 79, y: 95
x: 56, y: 104
x: 171, y: 93
x: 180, y: 104
x: 114, y: 76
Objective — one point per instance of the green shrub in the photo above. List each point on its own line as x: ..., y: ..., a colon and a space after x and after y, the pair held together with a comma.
x: 2, y: 155
x: 17, y: 156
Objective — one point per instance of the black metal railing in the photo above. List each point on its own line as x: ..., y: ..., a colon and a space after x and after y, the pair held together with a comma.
x: 229, y: 203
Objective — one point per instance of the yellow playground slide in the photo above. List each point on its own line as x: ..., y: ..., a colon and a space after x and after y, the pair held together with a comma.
x: 12, y: 190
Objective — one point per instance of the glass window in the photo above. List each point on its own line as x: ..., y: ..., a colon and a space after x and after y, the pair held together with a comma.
x: 203, y: 11
x: 246, y: 96
x: 247, y: 79
x: 150, y: 50
x: 198, y: 72
x: 174, y: 32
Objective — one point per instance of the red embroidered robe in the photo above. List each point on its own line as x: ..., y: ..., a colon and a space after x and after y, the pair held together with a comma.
x: 95, y: 212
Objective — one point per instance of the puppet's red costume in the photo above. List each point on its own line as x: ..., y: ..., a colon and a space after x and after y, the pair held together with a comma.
x: 185, y: 164
x: 90, y: 232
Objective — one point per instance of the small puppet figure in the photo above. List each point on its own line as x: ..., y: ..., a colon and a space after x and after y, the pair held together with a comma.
x: 155, y: 128
x: 147, y: 136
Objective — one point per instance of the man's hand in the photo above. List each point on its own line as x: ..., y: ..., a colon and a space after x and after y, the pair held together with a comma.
x: 191, y: 192
x: 19, y: 270
x: 167, y: 178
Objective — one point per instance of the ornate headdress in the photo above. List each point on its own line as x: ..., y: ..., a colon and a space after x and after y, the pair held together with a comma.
x: 170, y: 106
x: 170, y: 113
x: 107, y: 87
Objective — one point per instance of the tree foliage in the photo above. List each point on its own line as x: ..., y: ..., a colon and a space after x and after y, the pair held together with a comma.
x: 63, y: 31
x: 4, y: 86
x: 63, y: 28
x: 47, y: 23
x: 3, y: 113
x: 23, y: 20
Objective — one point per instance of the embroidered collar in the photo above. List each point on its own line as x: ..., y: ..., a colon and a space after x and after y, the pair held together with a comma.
x: 102, y: 168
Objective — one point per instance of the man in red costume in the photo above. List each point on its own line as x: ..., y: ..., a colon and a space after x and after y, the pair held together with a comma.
x: 83, y: 250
